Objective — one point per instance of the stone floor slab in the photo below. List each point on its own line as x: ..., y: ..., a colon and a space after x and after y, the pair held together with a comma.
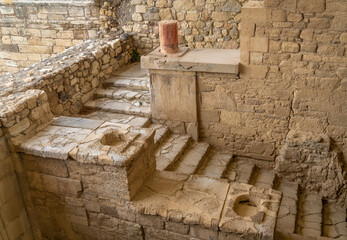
x: 77, y: 122
x: 179, y: 197
x: 55, y: 141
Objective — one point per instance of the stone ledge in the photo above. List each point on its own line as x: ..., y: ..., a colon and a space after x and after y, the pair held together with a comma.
x: 195, y: 60
x: 94, y: 141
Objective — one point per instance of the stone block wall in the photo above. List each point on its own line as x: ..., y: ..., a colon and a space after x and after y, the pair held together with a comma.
x: 292, y: 77
x: 14, y: 223
x: 31, y: 31
x: 202, y: 23
x: 70, y: 78
x: 233, y: 118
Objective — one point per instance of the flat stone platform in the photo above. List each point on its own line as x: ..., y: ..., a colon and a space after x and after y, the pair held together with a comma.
x: 236, y: 209
x: 195, y: 60
x: 88, y: 141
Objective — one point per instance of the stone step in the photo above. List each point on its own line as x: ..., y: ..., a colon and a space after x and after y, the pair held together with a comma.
x: 128, y: 83
x: 161, y: 133
x: 131, y: 120
x: 334, y: 220
x: 286, y: 218
x: 240, y: 171
x: 217, y: 165
x: 309, y: 220
x: 118, y: 93
x: 171, y: 150
x: 120, y: 106
x: 192, y: 159
x: 265, y: 178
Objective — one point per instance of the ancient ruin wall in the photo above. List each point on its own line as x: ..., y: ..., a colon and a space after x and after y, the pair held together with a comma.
x: 28, y: 98
x: 31, y: 31
x: 70, y: 78
x: 207, y: 24
x: 293, y: 77
x: 14, y: 223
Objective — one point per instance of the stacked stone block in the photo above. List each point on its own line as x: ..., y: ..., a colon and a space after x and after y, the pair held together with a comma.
x: 31, y: 31
x: 70, y: 78
x: 202, y: 24
x: 292, y: 76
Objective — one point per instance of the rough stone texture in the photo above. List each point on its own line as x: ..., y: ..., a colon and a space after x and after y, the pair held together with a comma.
x: 69, y: 78
x: 31, y: 31
x: 248, y: 206
x: 14, y: 220
x: 78, y: 199
x: 173, y: 96
x: 297, y: 84
x: 202, y: 24
x: 308, y: 159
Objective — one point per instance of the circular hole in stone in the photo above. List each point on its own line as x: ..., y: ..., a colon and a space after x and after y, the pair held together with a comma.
x: 112, y: 139
x: 245, y: 207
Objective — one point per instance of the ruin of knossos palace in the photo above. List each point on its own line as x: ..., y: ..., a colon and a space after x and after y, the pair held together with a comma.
x: 173, y: 119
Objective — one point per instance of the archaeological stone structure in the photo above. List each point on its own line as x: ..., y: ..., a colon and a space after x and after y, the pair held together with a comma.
x: 234, y: 127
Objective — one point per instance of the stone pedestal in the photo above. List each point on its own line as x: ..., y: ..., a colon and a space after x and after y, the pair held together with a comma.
x: 173, y: 79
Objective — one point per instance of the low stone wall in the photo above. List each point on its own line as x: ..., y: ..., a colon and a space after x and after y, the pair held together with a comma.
x: 31, y: 31
x: 70, y: 78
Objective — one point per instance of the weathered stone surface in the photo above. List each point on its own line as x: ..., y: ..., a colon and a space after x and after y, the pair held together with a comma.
x: 171, y: 93
x: 318, y: 163
x: 309, y: 7
x: 183, y: 198
x: 202, y: 60
x: 54, y: 142
x: 248, y: 219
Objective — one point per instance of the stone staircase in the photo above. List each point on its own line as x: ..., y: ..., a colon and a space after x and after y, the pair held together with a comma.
x: 302, y: 215
x: 126, y: 92
x: 125, y: 98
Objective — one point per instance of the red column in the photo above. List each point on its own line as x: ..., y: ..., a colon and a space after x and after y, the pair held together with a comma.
x: 168, y: 35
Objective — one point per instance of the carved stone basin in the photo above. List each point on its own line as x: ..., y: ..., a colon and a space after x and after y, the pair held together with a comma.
x: 245, y: 207
x: 113, y: 138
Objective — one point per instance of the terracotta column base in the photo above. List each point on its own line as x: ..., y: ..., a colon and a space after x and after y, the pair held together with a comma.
x: 168, y: 35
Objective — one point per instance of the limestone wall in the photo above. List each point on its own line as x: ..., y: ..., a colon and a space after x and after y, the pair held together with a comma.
x: 14, y: 223
x: 31, y: 31
x: 203, y: 23
x: 70, y: 78
x: 293, y: 77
